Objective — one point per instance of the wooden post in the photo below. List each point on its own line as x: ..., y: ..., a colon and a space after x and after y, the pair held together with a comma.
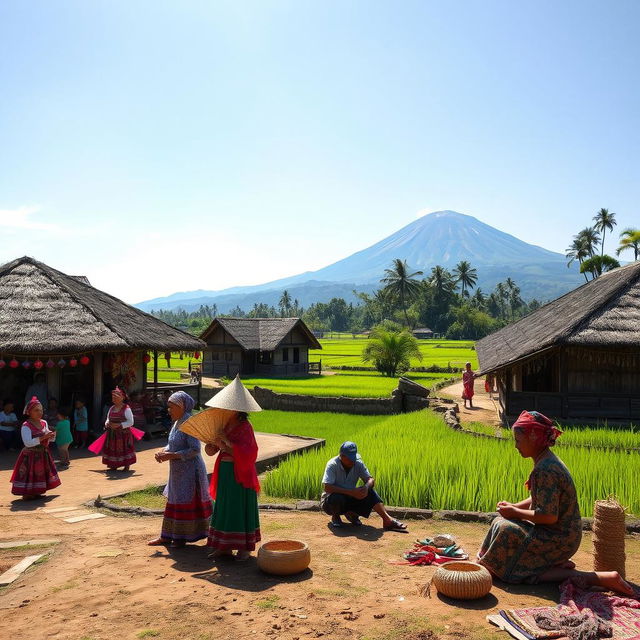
x: 155, y: 371
x: 97, y: 391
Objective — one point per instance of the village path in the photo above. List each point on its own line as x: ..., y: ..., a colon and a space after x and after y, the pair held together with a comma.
x: 484, y: 410
x: 86, y: 477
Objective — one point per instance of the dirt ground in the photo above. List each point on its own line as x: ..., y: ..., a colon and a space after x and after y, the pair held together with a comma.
x: 485, y: 409
x: 102, y: 581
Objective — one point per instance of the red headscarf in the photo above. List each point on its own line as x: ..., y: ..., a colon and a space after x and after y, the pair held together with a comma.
x: 119, y: 392
x: 31, y: 404
x: 534, y: 421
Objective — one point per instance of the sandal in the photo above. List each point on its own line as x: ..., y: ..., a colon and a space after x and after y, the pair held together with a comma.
x: 178, y: 544
x: 396, y: 525
x: 336, y: 522
x: 353, y: 519
x: 157, y: 542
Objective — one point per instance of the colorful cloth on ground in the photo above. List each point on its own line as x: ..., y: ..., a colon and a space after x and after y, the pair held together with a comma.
x: 63, y: 432
x: 235, y: 522
x: 80, y: 419
x: 245, y: 454
x: 623, y: 613
x: 119, y: 448
x: 468, y: 378
x: 425, y: 553
x: 34, y: 471
x: 517, y: 551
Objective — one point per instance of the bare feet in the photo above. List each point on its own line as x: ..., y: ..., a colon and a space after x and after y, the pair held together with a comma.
x: 613, y: 581
x: 242, y: 556
x: 220, y: 553
x: 156, y: 542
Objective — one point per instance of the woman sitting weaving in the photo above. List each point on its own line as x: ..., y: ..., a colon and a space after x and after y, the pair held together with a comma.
x: 533, y: 540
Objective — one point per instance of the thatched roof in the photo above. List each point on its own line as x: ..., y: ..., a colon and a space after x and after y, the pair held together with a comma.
x: 261, y: 334
x: 604, y: 312
x: 43, y: 311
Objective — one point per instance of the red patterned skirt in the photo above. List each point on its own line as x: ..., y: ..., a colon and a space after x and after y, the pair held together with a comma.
x: 189, y: 521
x: 34, y: 473
x: 119, y: 449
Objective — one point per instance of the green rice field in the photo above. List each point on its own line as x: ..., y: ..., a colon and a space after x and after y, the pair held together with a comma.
x: 352, y: 384
x: 442, y: 353
x: 418, y: 462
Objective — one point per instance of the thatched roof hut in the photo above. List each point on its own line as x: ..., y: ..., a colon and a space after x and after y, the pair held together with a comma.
x: 575, y: 357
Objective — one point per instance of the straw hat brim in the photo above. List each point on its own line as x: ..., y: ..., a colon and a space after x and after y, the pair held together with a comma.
x: 208, y: 425
x: 234, y: 397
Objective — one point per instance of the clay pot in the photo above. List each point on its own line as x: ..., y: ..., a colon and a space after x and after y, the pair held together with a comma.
x: 462, y: 580
x: 284, y: 557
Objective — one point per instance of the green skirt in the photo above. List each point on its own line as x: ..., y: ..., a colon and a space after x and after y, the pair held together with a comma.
x: 235, y: 523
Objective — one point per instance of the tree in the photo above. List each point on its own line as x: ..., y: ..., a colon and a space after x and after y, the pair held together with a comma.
x: 465, y: 275
x: 590, y: 237
x: 391, y: 351
x: 478, y: 300
x: 401, y: 283
x: 285, y: 303
x: 604, y: 220
x: 577, y: 251
x: 597, y: 265
x: 470, y: 324
x: 442, y: 281
x: 629, y: 239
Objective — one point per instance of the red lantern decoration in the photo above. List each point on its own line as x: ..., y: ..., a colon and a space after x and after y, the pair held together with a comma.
x: 3, y: 364
x: 38, y: 364
x: 73, y: 362
x: 50, y: 364
x: 84, y: 361
x: 146, y: 358
x: 61, y: 363
x: 196, y: 355
x: 14, y: 364
x: 26, y: 364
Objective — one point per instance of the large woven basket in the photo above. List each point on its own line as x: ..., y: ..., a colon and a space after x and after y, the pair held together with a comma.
x: 284, y: 557
x: 462, y: 580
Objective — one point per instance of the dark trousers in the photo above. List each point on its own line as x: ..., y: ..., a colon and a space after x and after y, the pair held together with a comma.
x: 336, y: 504
x: 9, y: 440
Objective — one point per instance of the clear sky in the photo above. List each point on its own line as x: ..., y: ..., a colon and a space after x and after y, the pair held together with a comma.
x: 168, y: 146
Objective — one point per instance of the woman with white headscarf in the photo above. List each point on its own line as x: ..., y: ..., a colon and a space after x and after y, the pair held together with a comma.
x: 188, y: 509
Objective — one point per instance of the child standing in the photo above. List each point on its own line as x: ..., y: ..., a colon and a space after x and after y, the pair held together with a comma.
x: 63, y: 436
x: 8, y: 425
x: 52, y: 413
x: 81, y: 422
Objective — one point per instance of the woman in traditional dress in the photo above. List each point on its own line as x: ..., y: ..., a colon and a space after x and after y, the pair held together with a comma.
x: 234, y: 483
x: 468, y: 377
x: 34, y: 472
x: 188, y: 509
x: 533, y: 540
x: 119, y: 449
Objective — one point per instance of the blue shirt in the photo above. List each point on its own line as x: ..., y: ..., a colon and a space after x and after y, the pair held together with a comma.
x: 337, y: 475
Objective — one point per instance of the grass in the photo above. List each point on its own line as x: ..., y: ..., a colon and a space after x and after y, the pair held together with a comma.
x: 151, y: 497
x: 171, y: 373
x: 148, y: 633
x: 443, y: 353
x: 480, y: 427
x: 270, y: 602
x: 353, y: 384
x: 418, y: 462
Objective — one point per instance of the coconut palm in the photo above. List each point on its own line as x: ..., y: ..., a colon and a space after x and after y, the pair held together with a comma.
x: 479, y: 300
x: 465, y: 275
x: 442, y: 281
x: 629, y: 239
x: 604, y: 220
x: 390, y: 351
x: 590, y: 237
x: 577, y: 251
x: 597, y: 265
x: 285, y: 303
x: 400, y: 282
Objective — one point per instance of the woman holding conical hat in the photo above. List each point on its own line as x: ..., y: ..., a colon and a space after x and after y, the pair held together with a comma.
x: 234, y: 483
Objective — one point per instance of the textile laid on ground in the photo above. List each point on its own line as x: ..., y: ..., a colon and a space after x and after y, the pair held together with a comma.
x: 425, y: 552
x: 582, y: 615
x: 188, y: 508
x: 518, y: 551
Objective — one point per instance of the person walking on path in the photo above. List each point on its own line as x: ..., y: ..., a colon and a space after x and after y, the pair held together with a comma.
x: 468, y: 378
x: 188, y: 508
x: 342, y: 496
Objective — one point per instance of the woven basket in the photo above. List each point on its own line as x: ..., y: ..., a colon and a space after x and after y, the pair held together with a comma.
x: 462, y: 580
x: 608, y: 536
x: 284, y: 557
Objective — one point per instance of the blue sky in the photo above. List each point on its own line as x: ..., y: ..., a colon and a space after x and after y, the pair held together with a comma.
x: 169, y: 146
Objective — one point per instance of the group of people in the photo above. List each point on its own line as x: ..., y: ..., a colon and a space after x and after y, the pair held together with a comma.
x: 528, y: 542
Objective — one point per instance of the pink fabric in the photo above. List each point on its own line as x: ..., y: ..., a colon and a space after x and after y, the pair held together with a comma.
x: 467, y: 383
x: 96, y: 446
x: 31, y: 404
x: 532, y: 420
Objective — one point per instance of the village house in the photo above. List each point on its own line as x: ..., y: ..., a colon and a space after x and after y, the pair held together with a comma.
x: 576, y: 358
x: 82, y: 340
x: 265, y: 346
x: 422, y: 333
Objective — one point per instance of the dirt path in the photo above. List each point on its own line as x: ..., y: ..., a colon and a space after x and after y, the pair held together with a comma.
x: 484, y: 408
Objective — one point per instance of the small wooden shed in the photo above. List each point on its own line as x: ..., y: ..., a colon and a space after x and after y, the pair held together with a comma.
x: 82, y: 340
x: 266, y: 346
x: 422, y: 333
x: 576, y: 358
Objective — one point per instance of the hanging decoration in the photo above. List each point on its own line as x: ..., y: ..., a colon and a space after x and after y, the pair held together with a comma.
x: 62, y: 363
x: 196, y: 355
x: 84, y: 360
x: 123, y: 368
x: 38, y: 364
x: 146, y: 358
x: 73, y: 362
x: 26, y: 364
x: 50, y: 364
x: 14, y: 364
x: 3, y: 364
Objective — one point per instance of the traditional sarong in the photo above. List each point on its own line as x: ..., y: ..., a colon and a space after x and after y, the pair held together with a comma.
x: 467, y: 385
x: 34, y: 472
x: 189, y: 521
x: 235, y: 523
x: 119, y: 449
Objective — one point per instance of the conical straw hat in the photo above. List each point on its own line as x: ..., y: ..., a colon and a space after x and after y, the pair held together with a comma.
x: 208, y: 425
x: 235, y: 397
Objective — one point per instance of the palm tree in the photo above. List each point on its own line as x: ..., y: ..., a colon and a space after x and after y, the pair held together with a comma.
x: 603, y: 221
x: 285, y: 303
x: 597, y: 265
x: 590, y: 237
x: 391, y: 351
x: 629, y: 239
x: 441, y: 280
x: 400, y: 282
x: 479, y: 300
x: 465, y: 275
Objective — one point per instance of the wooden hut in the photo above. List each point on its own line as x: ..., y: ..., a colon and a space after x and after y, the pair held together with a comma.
x: 422, y: 333
x: 576, y: 358
x: 266, y: 346
x: 82, y: 340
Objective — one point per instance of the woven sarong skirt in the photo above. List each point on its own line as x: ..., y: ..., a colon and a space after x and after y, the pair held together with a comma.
x: 34, y: 473
x: 188, y: 521
x: 234, y: 523
x: 119, y: 449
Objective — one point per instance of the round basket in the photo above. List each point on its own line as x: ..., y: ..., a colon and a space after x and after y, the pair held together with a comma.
x: 284, y: 557
x: 462, y: 580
